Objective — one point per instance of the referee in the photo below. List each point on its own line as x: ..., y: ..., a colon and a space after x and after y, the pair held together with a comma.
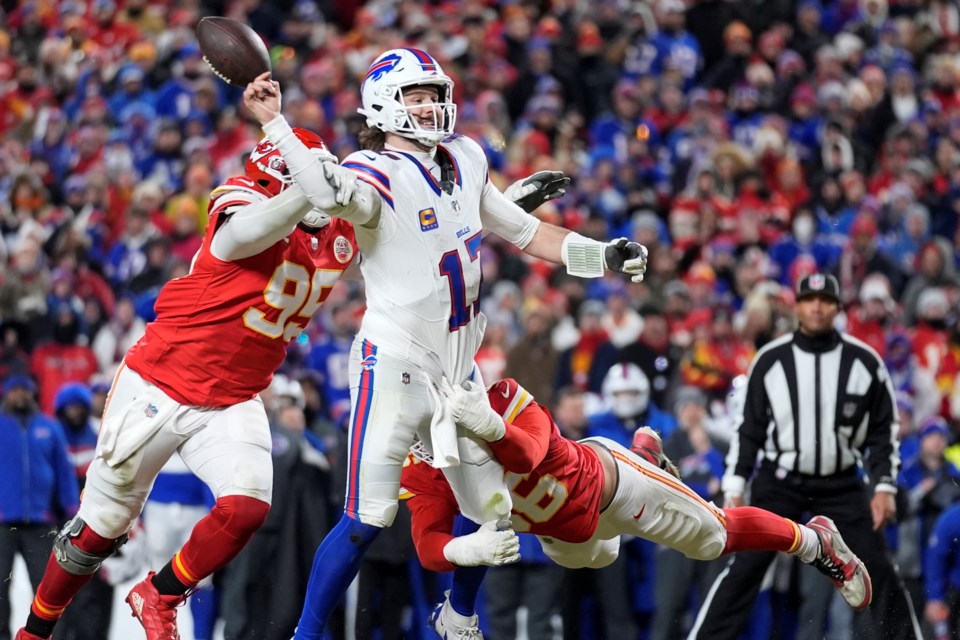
x: 815, y: 401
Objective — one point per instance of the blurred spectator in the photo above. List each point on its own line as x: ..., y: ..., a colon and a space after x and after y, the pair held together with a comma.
x: 942, y: 575
x: 930, y: 484
x: 717, y: 355
x: 621, y: 322
x: 329, y: 358
x: 90, y: 618
x: 654, y: 354
x: 533, y: 358
x: 935, y: 268
x: 930, y: 339
x: 585, y: 364
x: 14, y: 359
x: 118, y: 335
x: 861, y: 257
x: 802, y: 239
x: 63, y: 359
x: 39, y: 486
x: 701, y: 467
x: 874, y: 317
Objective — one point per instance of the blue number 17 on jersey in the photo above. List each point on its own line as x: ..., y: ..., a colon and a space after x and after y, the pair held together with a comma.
x: 461, y: 309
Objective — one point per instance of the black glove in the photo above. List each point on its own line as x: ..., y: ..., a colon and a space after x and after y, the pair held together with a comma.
x: 627, y: 257
x: 533, y: 191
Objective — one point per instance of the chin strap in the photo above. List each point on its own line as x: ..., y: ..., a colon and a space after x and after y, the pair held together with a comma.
x: 448, y: 175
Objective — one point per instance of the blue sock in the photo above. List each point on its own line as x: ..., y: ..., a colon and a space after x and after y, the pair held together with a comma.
x: 335, y: 565
x: 466, y: 580
x: 203, y: 608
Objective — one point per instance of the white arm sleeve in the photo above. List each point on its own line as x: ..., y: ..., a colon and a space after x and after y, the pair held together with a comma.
x: 504, y: 218
x: 256, y: 226
x: 308, y: 172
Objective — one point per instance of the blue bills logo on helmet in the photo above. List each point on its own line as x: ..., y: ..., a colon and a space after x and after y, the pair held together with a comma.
x: 381, y: 67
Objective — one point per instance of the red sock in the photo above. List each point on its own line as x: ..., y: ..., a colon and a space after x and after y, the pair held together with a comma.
x: 218, y: 537
x: 58, y: 587
x: 753, y: 529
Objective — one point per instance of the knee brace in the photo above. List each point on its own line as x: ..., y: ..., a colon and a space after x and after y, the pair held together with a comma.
x: 75, y: 560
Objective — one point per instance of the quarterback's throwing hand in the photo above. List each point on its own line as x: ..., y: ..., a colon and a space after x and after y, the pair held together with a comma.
x: 486, y: 546
x: 471, y: 409
x: 342, y: 180
x: 626, y: 256
x: 531, y: 192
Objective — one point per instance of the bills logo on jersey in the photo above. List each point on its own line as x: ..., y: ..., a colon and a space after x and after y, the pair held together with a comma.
x: 428, y: 219
x: 368, y: 363
x: 150, y: 411
x: 342, y: 250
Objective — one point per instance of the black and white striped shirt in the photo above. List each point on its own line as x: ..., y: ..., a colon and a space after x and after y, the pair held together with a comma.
x: 812, y: 406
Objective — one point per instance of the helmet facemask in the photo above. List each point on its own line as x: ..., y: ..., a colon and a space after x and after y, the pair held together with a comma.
x: 384, y: 105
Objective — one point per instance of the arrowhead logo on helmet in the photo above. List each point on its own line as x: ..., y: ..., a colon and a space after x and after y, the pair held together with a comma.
x: 267, y: 168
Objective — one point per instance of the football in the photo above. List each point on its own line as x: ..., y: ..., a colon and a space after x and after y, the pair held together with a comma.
x: 232, y: 49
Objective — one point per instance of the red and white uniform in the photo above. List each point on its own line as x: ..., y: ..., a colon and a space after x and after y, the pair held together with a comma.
x: 191, y: 384
x: 222, y: 330
x: 556, y: 486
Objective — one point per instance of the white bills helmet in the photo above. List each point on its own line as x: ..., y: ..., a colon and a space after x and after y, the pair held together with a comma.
x: 382, y: 95
x: 626, y: 390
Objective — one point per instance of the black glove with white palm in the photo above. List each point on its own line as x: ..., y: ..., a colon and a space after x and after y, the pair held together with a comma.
x: 531, y: 192
x: 588, y: 258
x: 626, y: 256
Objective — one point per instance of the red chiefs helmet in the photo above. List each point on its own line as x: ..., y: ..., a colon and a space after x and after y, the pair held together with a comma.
x: 268, y: 168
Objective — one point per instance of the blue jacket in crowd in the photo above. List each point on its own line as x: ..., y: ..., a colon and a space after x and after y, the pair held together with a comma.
x: 37, y: 479
x: 942, y: 563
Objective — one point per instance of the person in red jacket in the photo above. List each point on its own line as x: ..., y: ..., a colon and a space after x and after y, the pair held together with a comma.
x: 579, y: 497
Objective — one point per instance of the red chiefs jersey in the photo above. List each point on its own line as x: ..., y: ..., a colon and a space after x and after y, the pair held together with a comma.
x: 555, y: 483
x: 222, y: 330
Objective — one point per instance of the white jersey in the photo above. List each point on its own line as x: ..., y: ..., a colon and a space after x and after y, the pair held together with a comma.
x: 422, y: 261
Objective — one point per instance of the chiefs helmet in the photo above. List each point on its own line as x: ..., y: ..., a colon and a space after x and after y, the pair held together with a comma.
x: 267, y: 168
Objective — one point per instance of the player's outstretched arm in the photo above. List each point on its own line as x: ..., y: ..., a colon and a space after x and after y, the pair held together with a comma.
x: 582, y: 256
x: 328, y: 186
x: 432, y: 514
x: 254, y: 227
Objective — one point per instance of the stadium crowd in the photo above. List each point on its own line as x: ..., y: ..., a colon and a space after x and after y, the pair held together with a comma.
x: 746, y: 143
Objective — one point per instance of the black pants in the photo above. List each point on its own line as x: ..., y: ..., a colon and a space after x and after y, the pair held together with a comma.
x: 90, y: 613
x: 842, y: 498
x: 33, y: 542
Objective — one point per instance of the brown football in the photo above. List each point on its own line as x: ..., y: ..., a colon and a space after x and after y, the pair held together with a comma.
x: 232, y: 49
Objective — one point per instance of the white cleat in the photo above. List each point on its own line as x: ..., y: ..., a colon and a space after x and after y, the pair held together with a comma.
x: 836, y: 561
x: 450, y: 625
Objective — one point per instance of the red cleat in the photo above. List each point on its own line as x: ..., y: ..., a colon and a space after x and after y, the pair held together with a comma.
x: 837, y: 562
x: 23, y: 634
x: 648, y: 445
x: 157, y: 613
